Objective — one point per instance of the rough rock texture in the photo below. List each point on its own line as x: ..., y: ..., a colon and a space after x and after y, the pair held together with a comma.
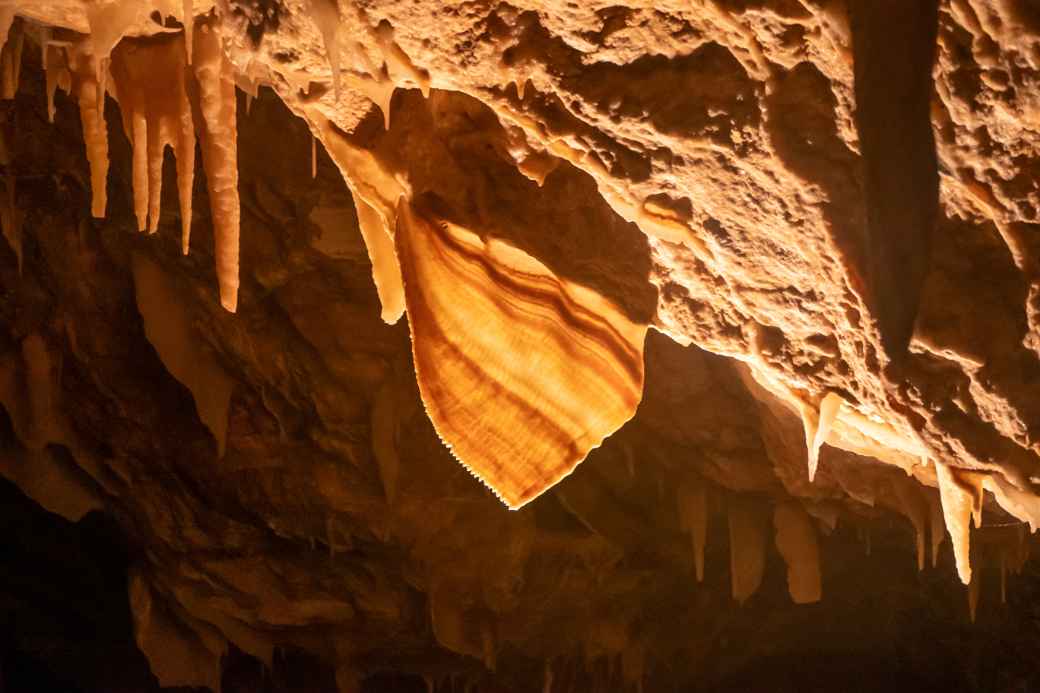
x: 717, y: 247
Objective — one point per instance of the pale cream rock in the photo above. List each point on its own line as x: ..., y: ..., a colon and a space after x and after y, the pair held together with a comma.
x: 958, y: 500
x: 1016, y: 502
x: 818, y: 425
x: 219, y: 139
x: 936, y: 523
x: 401, y: 68
x: 913, y: 506
x: 156, y: 114
x: 747, y: 549
x: 56, y: 71
x: 10, y: 56
x: 90, y: 98
x: 693, y: 517
x: 375, y: 193
x: 109, y: 22
x: 326, y: 17
x: 188, y: 20
x: 386, y: 269
x: 796, y: 541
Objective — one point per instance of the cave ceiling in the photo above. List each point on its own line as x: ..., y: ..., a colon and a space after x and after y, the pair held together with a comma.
x: 527, y: 342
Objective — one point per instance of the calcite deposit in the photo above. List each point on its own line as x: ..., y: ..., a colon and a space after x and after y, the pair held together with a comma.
x: 727, y: 307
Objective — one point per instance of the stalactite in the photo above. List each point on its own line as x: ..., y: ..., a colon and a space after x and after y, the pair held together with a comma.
x: 188, y: 20
x: 49, y: 72
x: 85, y: 90
x: 109, y: 22
x: 380, y: 82
x: 1020, y: 504
x: 796, y: 541
x: 693, y: 515
x: 11, y: 61
x: 44, y: 38
x: 56, y: 69
x: 747, y: 549
x: 325, y: 14
x: 817, y: 424
x: 375, y: 193
x: 386, y: 269
x: 957, y: 504
x: 156, y: 114
x: 399, y: 65
x: 975, y: 483
x: 219, y: 139
x: 936, y: 523
x: 167, y: 325
x: 537, y: 166
x: 379, y: 91
x: 913, y: 506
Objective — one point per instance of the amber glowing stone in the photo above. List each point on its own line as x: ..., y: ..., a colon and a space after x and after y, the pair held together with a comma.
x: 521, y: 372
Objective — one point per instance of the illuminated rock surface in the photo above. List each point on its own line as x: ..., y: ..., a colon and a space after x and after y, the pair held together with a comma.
x: 734, y: 301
